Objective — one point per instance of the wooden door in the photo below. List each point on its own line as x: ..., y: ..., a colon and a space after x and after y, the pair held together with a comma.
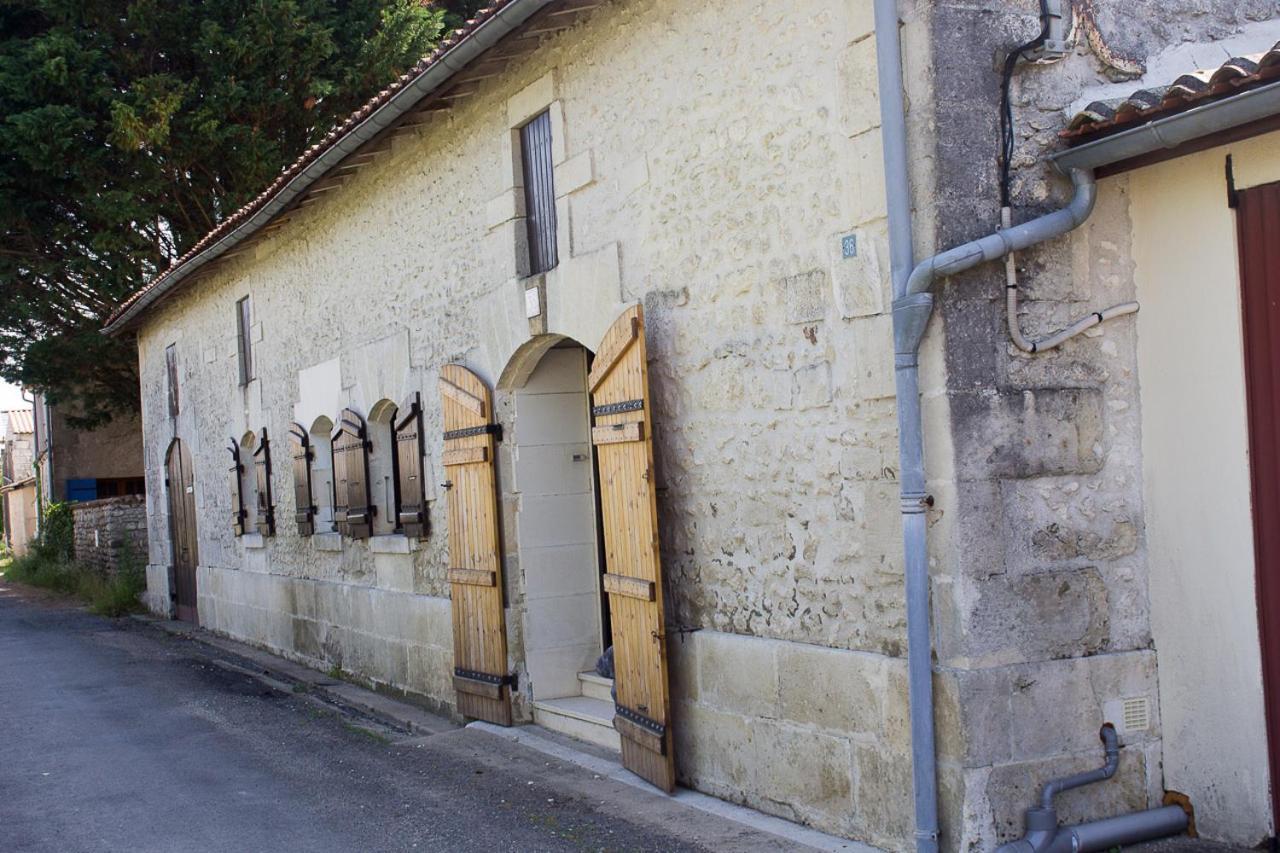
x: 182, y: 529
x: 1258, y: 222
x: 623, y: 437
x: 480, y: 673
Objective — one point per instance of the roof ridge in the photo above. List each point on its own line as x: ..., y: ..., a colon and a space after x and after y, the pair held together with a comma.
x: 312, y: 153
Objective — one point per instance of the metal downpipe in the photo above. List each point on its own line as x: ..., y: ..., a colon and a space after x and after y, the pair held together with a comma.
x: 910, y: 317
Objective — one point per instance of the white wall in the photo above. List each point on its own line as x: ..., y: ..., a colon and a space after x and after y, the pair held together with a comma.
x: 1196, y: 484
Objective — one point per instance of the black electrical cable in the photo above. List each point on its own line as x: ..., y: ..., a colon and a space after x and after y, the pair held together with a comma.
x: 1006, y: 108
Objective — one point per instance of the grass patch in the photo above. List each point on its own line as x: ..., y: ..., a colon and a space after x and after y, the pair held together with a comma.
x: 107, y: 596
x: 376, y: 737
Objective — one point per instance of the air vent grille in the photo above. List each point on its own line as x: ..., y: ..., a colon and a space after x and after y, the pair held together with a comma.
x: 1136, y: 714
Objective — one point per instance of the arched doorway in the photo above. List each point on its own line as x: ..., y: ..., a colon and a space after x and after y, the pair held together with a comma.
x: 557, y: 528
x: 184, y: 554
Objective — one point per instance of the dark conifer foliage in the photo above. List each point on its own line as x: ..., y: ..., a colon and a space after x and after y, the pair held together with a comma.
x: 130, y: 128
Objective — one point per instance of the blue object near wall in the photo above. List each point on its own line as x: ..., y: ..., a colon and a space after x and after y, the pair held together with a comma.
x: 82, y: 490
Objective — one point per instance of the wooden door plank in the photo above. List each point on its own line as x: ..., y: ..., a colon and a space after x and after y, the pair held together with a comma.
x: 464, y: 456
x: 631, y: 587
x: 624, y: 450
x: 621, y: 335
x: 618, y: 433
x: 479, y: 632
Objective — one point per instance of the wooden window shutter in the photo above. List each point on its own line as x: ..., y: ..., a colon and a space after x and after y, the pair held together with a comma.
x: 262, y: 472
x: 237, y: 494
x: 412, y: 518
x: 304, y: 507
x: 351, y: 442
x: 480, y: 674
x: 539, y: 193
x: 171, y: 370
x: 623, y: 437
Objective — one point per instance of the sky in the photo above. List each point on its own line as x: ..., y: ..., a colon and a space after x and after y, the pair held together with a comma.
x: 11, y: 398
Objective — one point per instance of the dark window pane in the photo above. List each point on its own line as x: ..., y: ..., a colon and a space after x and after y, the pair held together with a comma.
x: 244, y: 346
x: 539, y: 193
x: 171, y: 369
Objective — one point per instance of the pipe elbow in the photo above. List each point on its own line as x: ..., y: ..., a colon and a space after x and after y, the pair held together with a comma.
x: 1086, y: 196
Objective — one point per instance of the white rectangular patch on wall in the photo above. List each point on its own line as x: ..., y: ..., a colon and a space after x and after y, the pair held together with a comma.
x: 532, y: 304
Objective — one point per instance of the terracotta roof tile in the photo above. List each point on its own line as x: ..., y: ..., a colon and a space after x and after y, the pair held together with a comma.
x: 1236, y: 74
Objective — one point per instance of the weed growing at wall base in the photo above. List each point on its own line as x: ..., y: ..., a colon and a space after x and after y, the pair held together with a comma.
x: 116, y: 595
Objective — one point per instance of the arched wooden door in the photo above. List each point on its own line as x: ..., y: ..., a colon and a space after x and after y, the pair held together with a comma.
x: 480, y: 673
x: 623, y: 437
x: 180, y: 484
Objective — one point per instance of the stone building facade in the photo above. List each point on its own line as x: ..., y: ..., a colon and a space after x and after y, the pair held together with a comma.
x: 720, y: 165
x: 17, y: 481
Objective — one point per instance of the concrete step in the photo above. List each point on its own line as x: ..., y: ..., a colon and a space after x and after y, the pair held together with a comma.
x: 596, y: 686
x: 581, y: 717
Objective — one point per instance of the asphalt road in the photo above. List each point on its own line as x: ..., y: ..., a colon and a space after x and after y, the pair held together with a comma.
x: 117, y: 737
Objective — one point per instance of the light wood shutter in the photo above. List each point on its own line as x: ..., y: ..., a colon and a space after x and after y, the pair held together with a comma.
x: 300, y: 451
x: 480, y: 672
x: 262, y: 475
x: 409, y: 452
x: 351, y: 477
x: 622, y: 435
x: 237, y: 493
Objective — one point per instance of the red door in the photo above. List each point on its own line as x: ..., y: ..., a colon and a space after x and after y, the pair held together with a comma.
x: 1258, y: 220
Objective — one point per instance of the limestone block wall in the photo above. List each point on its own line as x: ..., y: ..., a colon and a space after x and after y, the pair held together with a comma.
x: 1042, y: 601
x: 109, y: 532
x: 711, y: 161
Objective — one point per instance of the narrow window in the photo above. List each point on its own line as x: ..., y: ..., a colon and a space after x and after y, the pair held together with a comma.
x: 244, y: 346
x: 539, y: 193
x: 266, y: 516
x: 383, y: 482
x: 171, y: 369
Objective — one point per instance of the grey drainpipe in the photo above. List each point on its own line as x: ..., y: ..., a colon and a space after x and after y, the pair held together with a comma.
x: 910, y: 317
x: 912, y: 307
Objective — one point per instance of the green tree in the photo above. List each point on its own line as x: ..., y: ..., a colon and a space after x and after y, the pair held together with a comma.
x: 130, y: 128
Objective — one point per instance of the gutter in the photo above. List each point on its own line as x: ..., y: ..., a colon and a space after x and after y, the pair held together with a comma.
x: 1172, y: 131
x: 912, y: 308
x: 503, y: 22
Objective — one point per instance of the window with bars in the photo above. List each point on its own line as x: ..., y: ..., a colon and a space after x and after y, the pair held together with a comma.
x: 539, y: 193
x: 244, y: 343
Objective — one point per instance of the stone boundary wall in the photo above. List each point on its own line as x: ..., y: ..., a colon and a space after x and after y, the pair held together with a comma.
x: 103, y: 527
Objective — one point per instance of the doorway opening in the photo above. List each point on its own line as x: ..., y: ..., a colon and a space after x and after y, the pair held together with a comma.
x: 558, y: 529
x: 184, y: 555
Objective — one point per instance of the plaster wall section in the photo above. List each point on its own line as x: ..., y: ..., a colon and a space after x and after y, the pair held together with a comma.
x: 711, y: 161
x: 1042, y: 604
x: 1199, y: 519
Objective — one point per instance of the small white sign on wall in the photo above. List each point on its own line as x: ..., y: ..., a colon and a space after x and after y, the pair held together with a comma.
x: 532, y: 304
